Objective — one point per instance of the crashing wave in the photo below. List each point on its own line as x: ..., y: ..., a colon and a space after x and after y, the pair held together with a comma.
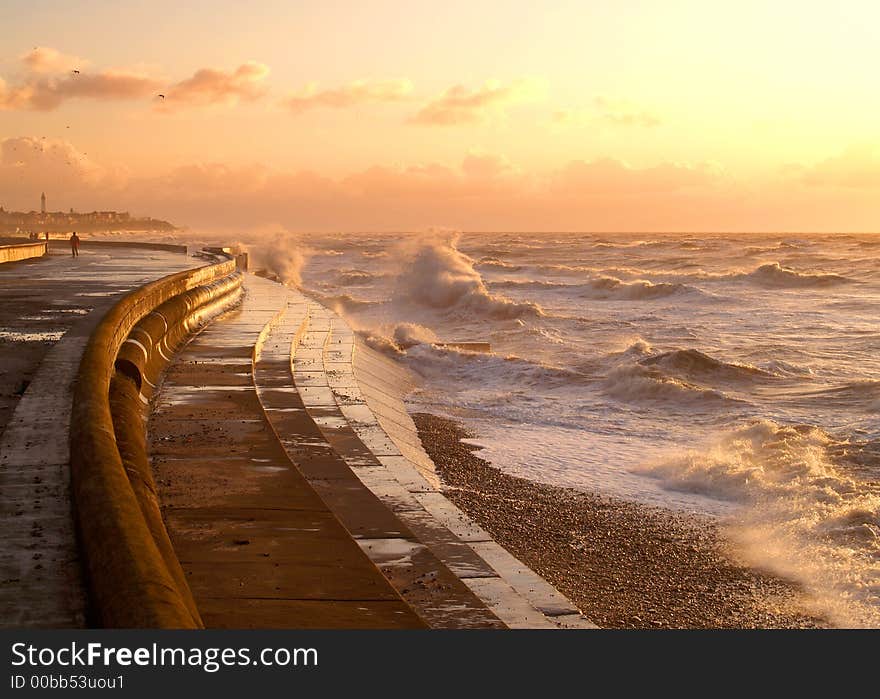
x: 638, y: 384
x: 341, y: 303
x: 802, y: 515
x: 437, y: 275
x: 612, y: 288
x: 495, y: 263
x: 354, y: 277
x: 775, y: 275
x: 695, y: 365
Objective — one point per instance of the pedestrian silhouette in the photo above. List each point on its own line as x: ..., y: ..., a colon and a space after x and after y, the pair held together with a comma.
x: 74, y: 244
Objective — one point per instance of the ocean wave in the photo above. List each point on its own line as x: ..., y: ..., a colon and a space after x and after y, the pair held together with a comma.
x: 395, y: 340
x: 695, y: 365
x: 341, y: 303
x: 640, y: 384
x: 775, y: 275
x: 531, y: 284
x: 495, y: 263
x: 435, y: 274
x: 491, y: 370
x: 417, y: 346
x: 802, y: 515
x: 355, y: 277
x: 641, y: 289
x: 608, y: 244
x: 865, y: 393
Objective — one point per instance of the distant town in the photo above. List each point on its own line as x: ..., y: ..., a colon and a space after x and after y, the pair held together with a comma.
x: 45, y: 221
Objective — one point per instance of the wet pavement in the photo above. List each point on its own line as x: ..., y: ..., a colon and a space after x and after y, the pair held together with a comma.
x: 334, y: 459
x: 292, y: 480
x: 288, y: 483
x: 259, y: 547
x: 48, y: 309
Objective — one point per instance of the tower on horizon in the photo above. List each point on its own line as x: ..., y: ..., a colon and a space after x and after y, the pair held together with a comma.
x: 43, y: 203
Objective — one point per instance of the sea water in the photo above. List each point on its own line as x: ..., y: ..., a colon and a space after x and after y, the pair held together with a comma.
x: 735, y: 376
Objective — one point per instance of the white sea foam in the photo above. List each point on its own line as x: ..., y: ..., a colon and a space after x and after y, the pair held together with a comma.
x: 801, y: 515
x: 436, y: 275
x: 693, y: 373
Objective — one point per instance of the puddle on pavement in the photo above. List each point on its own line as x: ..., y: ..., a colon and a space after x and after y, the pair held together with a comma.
x: 397, y: 552
x: 44, y: 336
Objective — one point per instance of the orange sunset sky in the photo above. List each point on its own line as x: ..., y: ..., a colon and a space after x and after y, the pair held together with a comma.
x: 482, y: 115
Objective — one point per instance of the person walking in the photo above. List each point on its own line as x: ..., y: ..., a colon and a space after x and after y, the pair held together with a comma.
x: 74, y: 244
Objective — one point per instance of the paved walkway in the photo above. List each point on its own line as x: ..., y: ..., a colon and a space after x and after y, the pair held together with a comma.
x: 367, y: 414
x: 285, y: 493
x: 259, y: 547
x: 48, y: 309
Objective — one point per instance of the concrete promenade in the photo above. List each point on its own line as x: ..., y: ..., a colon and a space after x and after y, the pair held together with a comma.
x: 285, y: 493
x: 48, y: 309
x: 292, y: 481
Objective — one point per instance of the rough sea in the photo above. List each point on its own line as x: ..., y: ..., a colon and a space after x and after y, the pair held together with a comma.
x: 735, y: 376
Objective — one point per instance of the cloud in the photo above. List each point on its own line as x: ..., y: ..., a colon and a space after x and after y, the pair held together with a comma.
x: 40, y: 93
x: 53, y: 77
x: 209, y: 86
x: 611, y: 111
x: 459, y: 105
x: 624, y: 113
x: 29, y: 165
x: 485, y: 165
x: 858, y: 167
x: 48, y: 60
x: 482, y: 192
x: 606, y: 176
x: 351, y: 95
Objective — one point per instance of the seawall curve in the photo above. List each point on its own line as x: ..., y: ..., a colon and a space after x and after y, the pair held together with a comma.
x: 133, y: 577
x: 22, y: 251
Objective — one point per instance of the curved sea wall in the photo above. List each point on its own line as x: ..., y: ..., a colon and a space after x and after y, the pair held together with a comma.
x: 22, y: 251
x: 133, y: 575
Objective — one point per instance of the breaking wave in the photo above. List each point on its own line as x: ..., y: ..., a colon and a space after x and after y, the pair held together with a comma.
x: 803, y: 517
x: 611, y: 288
x: 604, y: 287
x: 495, y: 263
x: 435, y: 274
x: 639, y: 384
x: 695, y: 365
x: 354, y: 277
x: 341, y: 303
x: 775, y: 275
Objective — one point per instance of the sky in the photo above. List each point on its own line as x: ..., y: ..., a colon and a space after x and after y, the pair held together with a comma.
x: 482, y: 115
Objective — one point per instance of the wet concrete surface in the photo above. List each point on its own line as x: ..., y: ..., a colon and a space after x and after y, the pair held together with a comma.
x: 48, y: 309
x: 259, y: 546
x: 368, y: 389
x: 328, y: 452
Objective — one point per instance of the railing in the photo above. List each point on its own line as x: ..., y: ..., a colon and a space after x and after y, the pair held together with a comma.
x: 22, y: 251
x: 134, y: 578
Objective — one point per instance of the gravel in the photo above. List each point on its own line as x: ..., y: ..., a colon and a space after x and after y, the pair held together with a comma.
x: 623, y: 564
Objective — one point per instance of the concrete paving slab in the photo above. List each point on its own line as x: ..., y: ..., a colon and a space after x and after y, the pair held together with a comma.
x: 47, y: 312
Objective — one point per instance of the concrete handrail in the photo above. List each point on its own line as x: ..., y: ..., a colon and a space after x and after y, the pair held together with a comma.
x: 130, y: 581
x: 22, y: 251
x: 92, y: 243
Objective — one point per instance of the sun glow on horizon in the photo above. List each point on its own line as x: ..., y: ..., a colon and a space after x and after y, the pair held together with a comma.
x: 652, y: 115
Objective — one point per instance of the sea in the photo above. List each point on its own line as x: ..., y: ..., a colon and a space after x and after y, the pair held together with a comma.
x: 734, y: 377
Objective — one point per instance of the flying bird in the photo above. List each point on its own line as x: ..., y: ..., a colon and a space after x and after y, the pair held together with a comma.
x: 162, y: 96
x: 75, y: 72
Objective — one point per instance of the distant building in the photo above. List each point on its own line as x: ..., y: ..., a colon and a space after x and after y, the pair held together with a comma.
x: 61, y: 222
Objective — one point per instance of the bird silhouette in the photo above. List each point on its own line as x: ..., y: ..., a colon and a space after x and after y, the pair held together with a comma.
x: 75, y: 72
x: 162, y: 96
